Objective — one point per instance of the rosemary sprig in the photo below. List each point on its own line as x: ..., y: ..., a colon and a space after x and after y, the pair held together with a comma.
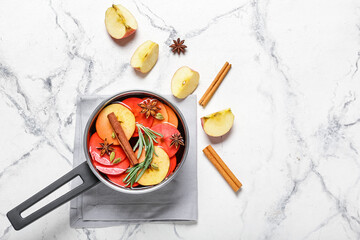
x: 146, y: 140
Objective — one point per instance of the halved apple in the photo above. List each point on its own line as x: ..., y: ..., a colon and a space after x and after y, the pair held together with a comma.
x: 151, y: 175
x: 184, y: 82
x: 219, y: 123
x: 123, y: 114
x: 119, y: 22
x: 145, y: 56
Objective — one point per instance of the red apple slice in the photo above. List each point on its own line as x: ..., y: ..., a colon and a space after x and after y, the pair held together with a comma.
x: 115, y: 169
x: 172, y: 165
x: 119, y: 22
x: 132, y: 105
x: 145, y: 56
x: 184, y: 82
x: 118, y: 179
x: 167, y: 130
x: 94, y: 142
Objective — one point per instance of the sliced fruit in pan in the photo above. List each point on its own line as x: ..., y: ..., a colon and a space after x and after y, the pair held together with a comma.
x: 123, y: 114
x: 172, y: 118
x: 94, y: 145
x: 163, y: 112
x: 118, y: 179
x: 169, y: 132
x: 115, y: 169
x: 132, y: 104
x: 158, y: 169
x: 172, y: 165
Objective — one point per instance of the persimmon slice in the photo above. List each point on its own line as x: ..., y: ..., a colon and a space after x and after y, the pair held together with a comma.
x: 167, y: 130
x: 172, y: 118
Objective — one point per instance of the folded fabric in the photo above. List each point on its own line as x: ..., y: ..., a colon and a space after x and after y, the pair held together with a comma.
x: 102, y: 206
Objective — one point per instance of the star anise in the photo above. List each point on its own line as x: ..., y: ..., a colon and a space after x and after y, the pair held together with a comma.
x: 176, y: 140
x: 178, y: 46
x: 105, y: 148
x: 149, y: 107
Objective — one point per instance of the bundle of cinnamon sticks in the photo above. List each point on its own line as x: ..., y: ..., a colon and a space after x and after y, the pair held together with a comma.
x: 219, y: 164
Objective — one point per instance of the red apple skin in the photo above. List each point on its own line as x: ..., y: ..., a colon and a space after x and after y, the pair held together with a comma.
x: 202, y: 122
x: 128, y: 33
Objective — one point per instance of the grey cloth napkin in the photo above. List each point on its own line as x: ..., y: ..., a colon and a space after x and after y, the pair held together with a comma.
x: 104, y: 207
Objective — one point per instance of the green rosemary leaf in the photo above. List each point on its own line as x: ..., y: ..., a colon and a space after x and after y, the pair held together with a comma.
x: 136, y: 145
x: 140, y: 174
x: 141, y: 137
x: 146, y: 140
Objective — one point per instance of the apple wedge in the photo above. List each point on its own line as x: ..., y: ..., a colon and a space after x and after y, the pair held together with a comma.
x: 119, y: 22
x: 184, y: 82
x: 145, y: 56
x: 219, y: 123
x: 152, y: 175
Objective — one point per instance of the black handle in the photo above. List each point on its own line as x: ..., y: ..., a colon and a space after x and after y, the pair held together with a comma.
x: 88, y: 178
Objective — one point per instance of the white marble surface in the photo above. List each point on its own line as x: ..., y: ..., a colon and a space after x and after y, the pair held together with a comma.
x: 294, y: 89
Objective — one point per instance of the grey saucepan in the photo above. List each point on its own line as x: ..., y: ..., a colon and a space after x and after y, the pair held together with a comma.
x: 88, y: 173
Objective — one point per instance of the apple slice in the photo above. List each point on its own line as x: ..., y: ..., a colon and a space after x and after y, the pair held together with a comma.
x: 172, y: 118
x: 132, y: 104
x: 145, y: 56
x: 119, y: 22
x: 94, y: 143
x: 123, y: 114
x: 167, y: 130
x: 172, y: 165
x: 115, y: 169
x: 219, y: 123
x: 118, y: 179
x: 184, y: 82
x: 153, y: 176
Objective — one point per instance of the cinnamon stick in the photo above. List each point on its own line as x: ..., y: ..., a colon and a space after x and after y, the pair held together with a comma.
x: 213, y: 83
x: 219, y: 164
x: 216, y: 86
x: 121, y: 137
x: 227, y: 170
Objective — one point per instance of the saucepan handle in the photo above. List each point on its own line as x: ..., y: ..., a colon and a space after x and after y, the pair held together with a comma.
x: 83, y: 171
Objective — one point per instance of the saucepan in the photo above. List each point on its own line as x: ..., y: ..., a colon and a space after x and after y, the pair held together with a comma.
x: 89, y: 175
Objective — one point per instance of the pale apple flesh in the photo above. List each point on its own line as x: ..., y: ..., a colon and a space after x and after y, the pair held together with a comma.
x: 154, y: 176
x: 219, y: 123
x: 123, y: 114
x: 145, y: 56
x: 119, y: 22
x: 184, y: 82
